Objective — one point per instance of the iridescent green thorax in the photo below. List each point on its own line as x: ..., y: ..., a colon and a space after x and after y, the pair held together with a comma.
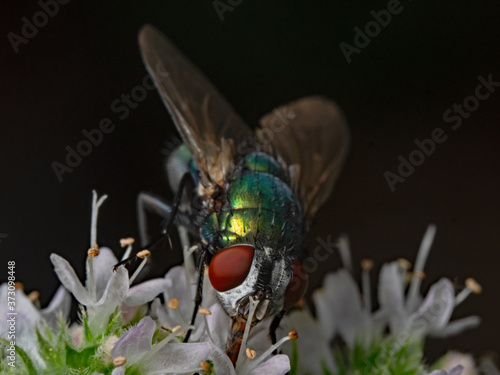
x: 260, y: 207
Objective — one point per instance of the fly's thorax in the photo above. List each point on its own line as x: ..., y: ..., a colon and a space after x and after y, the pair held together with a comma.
x: 258, y: 207
x: 267, y: 280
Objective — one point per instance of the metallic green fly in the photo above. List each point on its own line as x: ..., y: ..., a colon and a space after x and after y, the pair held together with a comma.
x: 247, y: 197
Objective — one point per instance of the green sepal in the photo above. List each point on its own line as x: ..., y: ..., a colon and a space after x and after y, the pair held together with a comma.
x: 80, y: 360
x: 47, y: 352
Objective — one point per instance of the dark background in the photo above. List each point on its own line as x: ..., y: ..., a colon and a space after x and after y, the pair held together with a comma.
x: 262, y: 55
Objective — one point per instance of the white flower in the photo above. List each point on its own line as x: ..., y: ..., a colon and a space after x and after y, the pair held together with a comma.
x: 409, y: 315
x: 453, y: 359
x: 135, y: 350
x: 458, y: 370
x: 104, y: 290
x: 313, y: 352
x: 341, y: 310
x: 28, y: 317
x: 179, y: 292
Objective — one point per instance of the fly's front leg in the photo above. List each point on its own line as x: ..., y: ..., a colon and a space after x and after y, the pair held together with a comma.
x: 147, y: 202
x: 199, y: 288
x: 169, y: 212
x: 274, y: 326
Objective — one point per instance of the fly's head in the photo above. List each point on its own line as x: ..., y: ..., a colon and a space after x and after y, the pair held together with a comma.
x: 243, y: 272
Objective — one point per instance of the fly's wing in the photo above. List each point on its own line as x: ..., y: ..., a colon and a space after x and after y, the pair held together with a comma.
x: 312, y: 138
x: 207, y: 123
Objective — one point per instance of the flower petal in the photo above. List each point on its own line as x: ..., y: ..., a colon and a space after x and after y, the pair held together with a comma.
x: 219, y: 324
x: 68, y: 278
x: 344, y: 301
x: 176, y: 278
x: 324, y: 313
x: 391, y: 296
x: 113, y: 296
x: 457, y: 326
x: 177, y: 358
x: 454, y: 371
x: 314, y: 355
x: 159, y: 312
x: 277, y: 365
x: 221, y: 362
x: 103, y: 269
x: 59, y: 306
x: 145, y: 292
x: 436, y: 309
x: 136, y: 341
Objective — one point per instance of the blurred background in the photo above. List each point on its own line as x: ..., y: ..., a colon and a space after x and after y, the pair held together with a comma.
x: 65, y: 77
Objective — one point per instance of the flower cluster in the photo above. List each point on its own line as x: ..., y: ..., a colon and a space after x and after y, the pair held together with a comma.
x: 129, y: 328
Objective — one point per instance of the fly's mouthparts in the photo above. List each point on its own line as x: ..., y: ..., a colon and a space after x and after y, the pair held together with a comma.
x: 262, y: 309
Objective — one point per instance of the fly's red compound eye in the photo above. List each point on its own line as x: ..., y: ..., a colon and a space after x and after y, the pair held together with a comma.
x: 229, y: 267
x: 297, y: 287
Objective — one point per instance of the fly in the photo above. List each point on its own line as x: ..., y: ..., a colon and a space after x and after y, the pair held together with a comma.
x: 247, y: 197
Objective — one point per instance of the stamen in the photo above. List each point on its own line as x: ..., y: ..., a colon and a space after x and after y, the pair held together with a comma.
x: 126, y: 241
x: 144, y: 254
x: 173, y: 303
x: 19, y: 285
x: 126, y: 255
x: 205, y: 311
x: 419, y: 274
x: 165, y: 341
x: 404, y: 266
x: 292, y: 335
x: 253, y: 305
x: 95, y: 210
x: 366, y: 265
x: 423, y: 252
x: 34, y: 296
x: 91, y: 254
x: 345, y: 252
x: 96, y: 203
x: 471, y: 286
x: 207, y: 328
x: 119, y: 361
x: 205, y: 366
x: 250, y: 353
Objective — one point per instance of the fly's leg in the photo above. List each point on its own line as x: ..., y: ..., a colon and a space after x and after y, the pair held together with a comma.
x: 274, y: 326
x: 151, y: 201
x: 147, y: 202
x: 199, y: 288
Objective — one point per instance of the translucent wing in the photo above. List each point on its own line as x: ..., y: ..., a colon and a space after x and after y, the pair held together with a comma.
x: 312, y: 138
x: 207, y: 123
